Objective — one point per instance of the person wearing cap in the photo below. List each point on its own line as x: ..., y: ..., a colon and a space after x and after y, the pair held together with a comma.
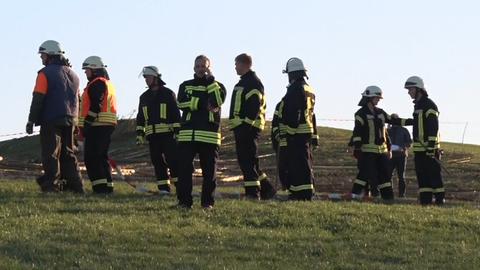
x: 98, y: 118
x: 297, y: 118
x: 158, y: 121
x: 200, y: 100
x: 54, y: 108
x: 426, y: 143
x: 247, y: 120
x: 401, y: 141
x: 372, y: 145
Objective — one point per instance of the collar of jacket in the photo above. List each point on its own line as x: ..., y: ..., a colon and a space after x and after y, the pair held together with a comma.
x: 248, y: 74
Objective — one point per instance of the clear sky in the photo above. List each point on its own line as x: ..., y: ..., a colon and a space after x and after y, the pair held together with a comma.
x: 345, y: 45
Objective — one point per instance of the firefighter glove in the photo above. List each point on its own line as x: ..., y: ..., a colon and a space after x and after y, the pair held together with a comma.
x: 29, y: 128
x: 140, y: 140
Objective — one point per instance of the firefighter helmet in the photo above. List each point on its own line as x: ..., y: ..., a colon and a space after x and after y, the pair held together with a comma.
x: 151, y: 70
x: 372, y: 91
x: 51, y: 47
x: 415, y: 81
x: 294, y: 64
x: 93, y: 62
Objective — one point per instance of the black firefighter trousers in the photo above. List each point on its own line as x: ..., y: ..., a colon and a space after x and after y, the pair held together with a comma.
x: 163, y: 153
x: 429, y: 178
x: 374, y: 170
x: 255, y: 181
x: 299, y: 173
x: 97, y: 142
x: 208, y: 154
x: 58, y: 158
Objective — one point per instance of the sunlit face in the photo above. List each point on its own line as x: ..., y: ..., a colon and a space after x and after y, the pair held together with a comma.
x: 412, y: 91
x: 201, y: 67
x: 149, y: 80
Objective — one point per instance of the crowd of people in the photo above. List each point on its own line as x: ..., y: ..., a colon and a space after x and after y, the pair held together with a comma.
x: 178, y: 127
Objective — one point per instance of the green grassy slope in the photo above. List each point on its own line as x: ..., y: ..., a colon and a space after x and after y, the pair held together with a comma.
x: 134, y: 231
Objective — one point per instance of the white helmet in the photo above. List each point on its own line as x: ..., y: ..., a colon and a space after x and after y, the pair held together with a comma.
x: 372, y: 91
x: 415, y: 81
x: 93, y: 62
x: 294, y: 64
x: 51, y: 47
x: 151, y: 70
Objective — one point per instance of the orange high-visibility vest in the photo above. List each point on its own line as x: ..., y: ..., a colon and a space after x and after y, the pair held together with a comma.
x: 108, y: 110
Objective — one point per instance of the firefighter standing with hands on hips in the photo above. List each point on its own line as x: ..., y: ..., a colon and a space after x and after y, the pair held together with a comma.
x: 54, y: 107
x: 98, y: 118
x: 158, y: 121
x: 426, y: 143
x: 247, y: 120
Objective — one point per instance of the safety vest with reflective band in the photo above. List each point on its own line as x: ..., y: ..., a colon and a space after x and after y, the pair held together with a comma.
x: 157, y: 112
x: 248, y: 103
x: 425, y: 127
x: 299, y: 103
x: 369, y: 133
x: 108, y: 107
x: 279, y: 130
x: 198, y: 123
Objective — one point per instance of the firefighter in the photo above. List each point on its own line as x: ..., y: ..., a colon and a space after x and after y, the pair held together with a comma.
x: 200, y: 100
x: 247, y: 120
x: 426, y: 143
x: 372, y: 145
x: 297, y: 116
x: 279, y: 144
x: 54, y: 108
x: 401, y: 141
x: 158, y: 121
x: 98, y: 118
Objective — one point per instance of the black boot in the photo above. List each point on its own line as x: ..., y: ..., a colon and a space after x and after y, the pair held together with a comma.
x: 267, y: 190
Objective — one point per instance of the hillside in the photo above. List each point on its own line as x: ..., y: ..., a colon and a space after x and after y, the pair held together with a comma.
x: 334, y: 167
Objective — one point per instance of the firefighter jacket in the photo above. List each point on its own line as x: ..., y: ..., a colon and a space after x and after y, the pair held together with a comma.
x: 297, y: 114
x: 425, y: 126
x: 370, y: 134
x: 200, y: 100
x: 55, y: 96
x: 278, y: 131
x: 157, y: 112
x: 98, y: 104
x: 248, y: 103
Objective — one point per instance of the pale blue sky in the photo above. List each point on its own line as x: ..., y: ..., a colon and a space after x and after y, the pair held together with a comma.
x: 346, y: 46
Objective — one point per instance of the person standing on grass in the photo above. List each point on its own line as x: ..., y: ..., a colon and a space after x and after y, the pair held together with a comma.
x: 279, y: 144
x: 247, y: 120
x: 158, y: 121
x: 401, y: 141
x: 426, y: 143
x: 372, y: 145
x: 200, y: 100
x: 297, y: 116
x: 98, y: 118
x: 54, y: 108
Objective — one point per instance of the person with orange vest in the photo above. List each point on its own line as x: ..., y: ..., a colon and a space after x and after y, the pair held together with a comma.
x: 98, y: 118
x: 54, y: 107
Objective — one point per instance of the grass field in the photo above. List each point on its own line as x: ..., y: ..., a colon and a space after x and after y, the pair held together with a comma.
x: 137, y: 231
